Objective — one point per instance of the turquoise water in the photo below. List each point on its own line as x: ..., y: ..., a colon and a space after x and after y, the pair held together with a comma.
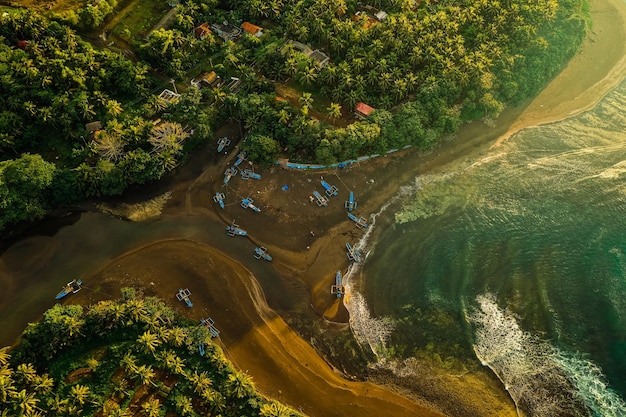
x: 517, y: 261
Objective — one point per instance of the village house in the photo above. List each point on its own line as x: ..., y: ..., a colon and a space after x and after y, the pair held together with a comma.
x: 362, y: 110
x: 368, y: 20
x: 320, y: 58
x: 206, y: 79
x: 93, y: 127
x: 252, y: 29
x: 169, y: 96
x: 202, y: 31
x: 226, y: 31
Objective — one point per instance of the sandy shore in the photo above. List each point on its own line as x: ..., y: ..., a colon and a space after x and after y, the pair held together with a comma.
x: 307, y: 243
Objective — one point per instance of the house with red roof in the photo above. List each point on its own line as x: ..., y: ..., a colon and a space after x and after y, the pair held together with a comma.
x: 362, y: 110
x: 252, y: 29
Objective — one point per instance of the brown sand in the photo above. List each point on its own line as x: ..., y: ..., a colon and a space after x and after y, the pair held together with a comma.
x: 257, y: 339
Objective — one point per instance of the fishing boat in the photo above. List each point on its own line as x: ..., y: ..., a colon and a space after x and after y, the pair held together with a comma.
x: 71, y: 287
x: 209, y: 323
x: 331, y: 190
x: 261, y: 252
x: 338, y: 289
x: 222, y: 143
x: 361, y: 222
x: 219, y: 199
x: 249, y: 203
x: 240, y: 158
x: 229, y: 173
x: 354, y: 253
x: 235, y: 230
x: 350, y: 204
x: 183, y: 295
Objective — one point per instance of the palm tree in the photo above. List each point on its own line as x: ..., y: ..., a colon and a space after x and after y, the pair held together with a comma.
x: 135, y: 310
x: 274, y: 409
x: 109, y: 145
x: 43, y: 384
x: 57, y: 404
x: 7, y: 385
x: 168, y: 137
x: 177, y: 336
x: 283, y: 117
x: 4, y: 356
x: 119, y: 387
x: 184, y: 405
x: 145, y: 374
x: 129, y: 363
x: 239, y: 385
x: 79, y: 393
x: 170, y: 361
x: 151, y: 408
x: 114, y: 108
x: 200, y: 381
x: 149, y: 341
x: 27, y: 402
x: 25, y: 373
x: 334, y: 111
x: 306, y: 100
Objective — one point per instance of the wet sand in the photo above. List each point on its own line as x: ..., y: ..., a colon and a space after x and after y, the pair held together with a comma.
x: 254, y: 335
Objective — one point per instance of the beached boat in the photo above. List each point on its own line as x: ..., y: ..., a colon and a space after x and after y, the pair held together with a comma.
x: 209, y: 323
x: 351, y: 204
x: 249, y: 203
x: 229, y: 173
x: 222, y: 143
x: 354, y: 253
x: 183, y: 295
x: 338, y: 289
x: 235, y: 230
x: 261, y: 252
x: 219, y: 199
x: 361, y: 222
x: 71, y: 287
x: 331, y: 190
x: 240, y: 158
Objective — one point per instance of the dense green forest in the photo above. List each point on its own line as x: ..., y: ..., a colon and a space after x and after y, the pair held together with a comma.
x: 132, y: 356
x: 81, y: 120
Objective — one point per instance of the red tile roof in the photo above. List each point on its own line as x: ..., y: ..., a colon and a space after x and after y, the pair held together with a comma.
x: 250, y: 28
x: 364, y: 108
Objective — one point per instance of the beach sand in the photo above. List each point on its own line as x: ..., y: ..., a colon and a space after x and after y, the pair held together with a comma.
x: 308, y: 245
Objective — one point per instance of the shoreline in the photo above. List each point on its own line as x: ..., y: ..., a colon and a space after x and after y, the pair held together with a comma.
x: 257, y: 338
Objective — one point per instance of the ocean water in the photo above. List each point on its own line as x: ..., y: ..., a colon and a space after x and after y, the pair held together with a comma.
x: 515, y: 261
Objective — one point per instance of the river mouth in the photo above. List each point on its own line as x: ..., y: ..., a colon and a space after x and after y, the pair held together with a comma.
x: 82, y: 247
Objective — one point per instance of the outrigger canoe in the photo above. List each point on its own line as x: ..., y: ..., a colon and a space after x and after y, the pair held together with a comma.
x: 71, y: 287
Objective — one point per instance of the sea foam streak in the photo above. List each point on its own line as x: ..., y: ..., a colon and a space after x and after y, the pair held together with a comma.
x: 369, y: 331
x: 541, y: 379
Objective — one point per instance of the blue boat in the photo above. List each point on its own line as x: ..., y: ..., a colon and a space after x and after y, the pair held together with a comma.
x: 235, y: 230
x: 331, y: 190
x: 261, y: 252
x: 248, y: 203
x: 222, y: 143
x: 360, y: 221
x: 229, y: 173
x: 71, y: 287
x: 183, y: 295
x: 201, y: 348
x: 338, y: 289
x: 350, y: 204
x: 247, y: 173
x: 219, y: 199
x: 354, y: 253
x: 240, y: 158
x: 209, y: 323
x: 320, y: 200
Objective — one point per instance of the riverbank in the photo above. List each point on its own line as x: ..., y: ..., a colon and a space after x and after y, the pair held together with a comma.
x: 254, y: 337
